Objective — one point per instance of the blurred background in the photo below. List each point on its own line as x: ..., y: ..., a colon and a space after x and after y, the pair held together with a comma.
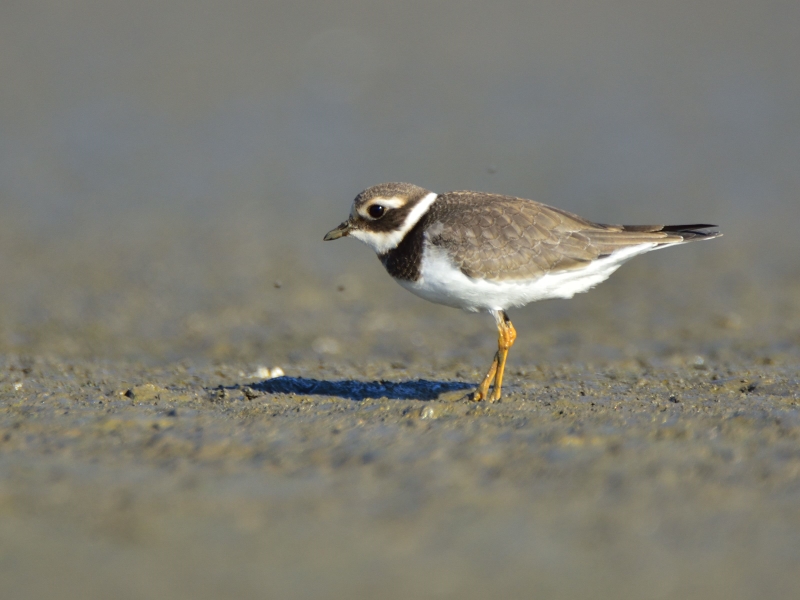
x: 167, y: 172
x: 167, y: 168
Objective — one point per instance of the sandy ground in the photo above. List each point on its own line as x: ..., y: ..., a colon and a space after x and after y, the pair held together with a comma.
x: 647, y: 444
x: 167, y: 172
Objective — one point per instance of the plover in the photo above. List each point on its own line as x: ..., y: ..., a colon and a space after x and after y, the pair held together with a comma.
x: 479, y: 251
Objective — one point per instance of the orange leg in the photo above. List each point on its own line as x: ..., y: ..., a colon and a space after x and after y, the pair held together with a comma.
x: 505, y: 339
x: 483, y: 387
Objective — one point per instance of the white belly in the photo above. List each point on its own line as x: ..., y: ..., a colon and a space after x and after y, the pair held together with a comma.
x: 440, y: 282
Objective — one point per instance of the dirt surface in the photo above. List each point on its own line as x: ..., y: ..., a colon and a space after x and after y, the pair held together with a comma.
x: 199, y: 399
x: 647, y: 444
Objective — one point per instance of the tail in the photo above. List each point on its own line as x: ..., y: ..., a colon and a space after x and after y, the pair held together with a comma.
x: 688, y: 233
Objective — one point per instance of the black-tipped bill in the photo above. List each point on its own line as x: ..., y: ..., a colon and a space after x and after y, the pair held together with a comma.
x: 341, y: 231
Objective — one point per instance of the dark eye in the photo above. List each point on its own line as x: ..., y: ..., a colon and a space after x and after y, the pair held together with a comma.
x: 376, y: 211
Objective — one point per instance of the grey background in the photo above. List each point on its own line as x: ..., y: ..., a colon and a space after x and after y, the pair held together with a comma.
x: 285, y: 110
x: 167, y: 172
x: 188, y: 154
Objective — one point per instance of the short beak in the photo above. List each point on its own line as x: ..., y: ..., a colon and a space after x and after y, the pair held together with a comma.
x: 341, y: 231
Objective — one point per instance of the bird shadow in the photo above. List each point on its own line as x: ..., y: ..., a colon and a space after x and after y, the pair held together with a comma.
x: 418, y: 389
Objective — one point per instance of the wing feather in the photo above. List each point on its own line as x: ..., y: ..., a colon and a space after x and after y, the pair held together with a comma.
x: 504, y: 238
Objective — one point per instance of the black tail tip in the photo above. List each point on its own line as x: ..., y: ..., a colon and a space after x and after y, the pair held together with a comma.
x: 697, y: 231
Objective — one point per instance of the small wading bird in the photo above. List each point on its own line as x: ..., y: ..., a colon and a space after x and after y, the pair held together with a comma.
x: 480, y: 251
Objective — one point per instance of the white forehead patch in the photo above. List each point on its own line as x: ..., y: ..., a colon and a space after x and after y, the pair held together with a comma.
x: 383, y: 241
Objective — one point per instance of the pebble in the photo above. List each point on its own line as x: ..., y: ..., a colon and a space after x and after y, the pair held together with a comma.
x: 427, y: 412
x: 263, y: 372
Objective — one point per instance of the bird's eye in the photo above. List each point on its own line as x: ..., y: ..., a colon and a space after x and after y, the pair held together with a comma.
x: 376, y: 211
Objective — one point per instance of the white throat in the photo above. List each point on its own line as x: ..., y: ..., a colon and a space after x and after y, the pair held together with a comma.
x: 383, y: 241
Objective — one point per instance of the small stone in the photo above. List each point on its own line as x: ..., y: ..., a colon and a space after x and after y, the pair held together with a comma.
x: 262, y: 373
x: 147, y: 392
x: 427, y: 413
x: 250, y: 393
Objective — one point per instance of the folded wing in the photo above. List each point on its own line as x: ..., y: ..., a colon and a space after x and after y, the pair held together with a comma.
x: 504, y: 238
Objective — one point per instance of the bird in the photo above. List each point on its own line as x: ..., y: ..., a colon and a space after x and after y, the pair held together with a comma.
x: 489, y: 252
